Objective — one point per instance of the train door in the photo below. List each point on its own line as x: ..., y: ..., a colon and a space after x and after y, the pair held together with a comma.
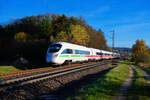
x: 92, y: 54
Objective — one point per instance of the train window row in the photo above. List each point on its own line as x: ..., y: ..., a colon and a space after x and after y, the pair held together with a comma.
x: 70, y: 51
x: 105, y: 54
x: 108, y: 54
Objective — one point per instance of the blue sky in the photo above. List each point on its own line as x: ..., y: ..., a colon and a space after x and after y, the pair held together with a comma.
x: 129, y: 18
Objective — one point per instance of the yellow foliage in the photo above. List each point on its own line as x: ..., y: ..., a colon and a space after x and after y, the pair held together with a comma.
x: 80, y: 34
x: 62, y: 36
x: 20, y: 37
x: 138, y: 49
x: 52, y: 39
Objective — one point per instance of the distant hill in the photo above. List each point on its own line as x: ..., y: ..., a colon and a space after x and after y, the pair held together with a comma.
x: 124, y: 49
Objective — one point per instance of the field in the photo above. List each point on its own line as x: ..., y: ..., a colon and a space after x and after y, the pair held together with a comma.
x: 6, y: 69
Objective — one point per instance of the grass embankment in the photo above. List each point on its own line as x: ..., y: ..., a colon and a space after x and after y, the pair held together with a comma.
x: 139, y: 90
x: 7, y: 69
x: 105, y: 87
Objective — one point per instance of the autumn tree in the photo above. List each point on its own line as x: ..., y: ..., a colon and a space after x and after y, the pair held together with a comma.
x: 143, y: 47
x: 46, y: 26
x: 135, y: 49
x: 140, y: 52
x: 50, y: 27
x: 79, y: 34
x: 44, y: 29
x: 62, y: 36
x: 60, y: 23
x: 139, y: 47
x: 20, y: 37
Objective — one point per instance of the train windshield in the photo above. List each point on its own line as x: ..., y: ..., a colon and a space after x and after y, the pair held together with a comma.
x: 55, y: 48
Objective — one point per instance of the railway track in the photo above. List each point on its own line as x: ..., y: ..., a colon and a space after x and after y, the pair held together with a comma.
x: 30, y: 86
x: 43, y: 75
x: 31, y: 71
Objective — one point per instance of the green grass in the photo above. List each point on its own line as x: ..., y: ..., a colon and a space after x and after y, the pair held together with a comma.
x: 6, y: 69
x: 139, y: 90
x: 105, y: 87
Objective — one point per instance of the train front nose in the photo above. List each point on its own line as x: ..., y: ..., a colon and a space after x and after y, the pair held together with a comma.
x: 51, y: 58
x: 52, y: 53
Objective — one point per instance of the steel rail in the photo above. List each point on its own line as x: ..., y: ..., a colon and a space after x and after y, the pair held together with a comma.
x: 41, y: 76
x: 61, y: 73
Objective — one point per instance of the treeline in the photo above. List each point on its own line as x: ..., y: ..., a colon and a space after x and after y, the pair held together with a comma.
x: 141, y: 53
x: 30, y: 36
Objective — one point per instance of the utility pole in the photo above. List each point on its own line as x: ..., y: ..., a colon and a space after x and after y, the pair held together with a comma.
x: 113, y: 42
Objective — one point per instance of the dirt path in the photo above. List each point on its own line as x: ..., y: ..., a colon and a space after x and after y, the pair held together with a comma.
x: 146, y: 75
x: 125, y: 86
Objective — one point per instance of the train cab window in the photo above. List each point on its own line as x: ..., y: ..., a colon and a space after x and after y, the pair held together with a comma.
x: 67, y: 51
x: 55, y: 48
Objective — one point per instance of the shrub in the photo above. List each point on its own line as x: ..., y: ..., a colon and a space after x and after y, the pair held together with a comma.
x: 143, y: 58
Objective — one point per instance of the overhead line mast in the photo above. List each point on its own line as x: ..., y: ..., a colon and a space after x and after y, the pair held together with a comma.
x: 113, y: 42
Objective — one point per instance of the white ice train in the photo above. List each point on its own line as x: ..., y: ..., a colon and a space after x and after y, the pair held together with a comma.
x: 62, y: 52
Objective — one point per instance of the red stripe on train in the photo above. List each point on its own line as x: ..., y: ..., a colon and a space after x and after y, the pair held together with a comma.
x: 96, y: 56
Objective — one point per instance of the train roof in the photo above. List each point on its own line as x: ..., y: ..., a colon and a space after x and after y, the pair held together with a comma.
x: 82, y: 47
x: 70, y: 45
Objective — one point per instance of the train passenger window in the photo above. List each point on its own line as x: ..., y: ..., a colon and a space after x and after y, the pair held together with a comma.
x: 77, y: 52
x: 82, y: 52
x: 97, y: 53
x: 67, y: 51
x: 87, y: 52
x: 101, y: 54
x: 55, y: 48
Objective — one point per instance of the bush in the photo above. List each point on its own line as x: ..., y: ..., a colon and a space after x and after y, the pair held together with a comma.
x: 143, y: 58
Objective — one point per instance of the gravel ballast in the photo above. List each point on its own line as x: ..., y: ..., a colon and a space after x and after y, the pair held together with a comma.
x: 39, y: 89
